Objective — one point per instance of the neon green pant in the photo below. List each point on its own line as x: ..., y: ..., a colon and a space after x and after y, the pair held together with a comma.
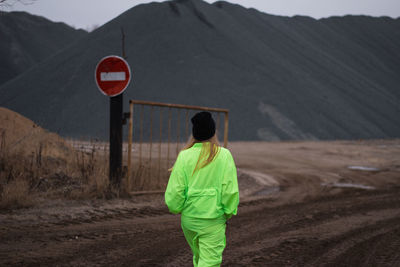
x: 206, y: 238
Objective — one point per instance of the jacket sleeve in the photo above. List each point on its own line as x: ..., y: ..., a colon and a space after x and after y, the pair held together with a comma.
x: 230, y: 188
x: 175, y: 192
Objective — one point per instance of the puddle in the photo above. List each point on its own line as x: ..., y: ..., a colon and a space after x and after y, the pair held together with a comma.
x: 384, y: 146
x: 261, y: 178
x: 267, y: 191
x: 348, y: 185
x: 363, y: 168
x: 253, y: 183
x: 389, y: 146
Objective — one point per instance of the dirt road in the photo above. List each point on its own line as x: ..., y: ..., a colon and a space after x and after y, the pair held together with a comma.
x: 353, y: 228
x: 309, y: 220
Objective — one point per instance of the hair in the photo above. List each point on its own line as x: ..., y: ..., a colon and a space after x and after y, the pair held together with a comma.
x: 208, y: 152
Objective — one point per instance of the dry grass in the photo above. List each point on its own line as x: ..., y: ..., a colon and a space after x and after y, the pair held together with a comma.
x: 57, y: 170
x: 36, y: 164
x: 149, y: 176
x: 16, y: 195
x: 150, y: 164
x: 25, y: 177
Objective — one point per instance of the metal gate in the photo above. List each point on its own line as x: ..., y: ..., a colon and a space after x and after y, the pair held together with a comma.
x: 153, y: 153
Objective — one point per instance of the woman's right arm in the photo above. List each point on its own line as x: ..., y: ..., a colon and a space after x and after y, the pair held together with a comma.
x: 175, y: 192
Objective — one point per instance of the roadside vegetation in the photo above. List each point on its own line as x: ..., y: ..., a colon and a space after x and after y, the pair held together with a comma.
x: 50, y: 169
x: 36, y: 165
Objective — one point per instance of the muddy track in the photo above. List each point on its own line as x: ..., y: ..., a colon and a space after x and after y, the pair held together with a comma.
x: 353, y: 228
x: 335, y: 231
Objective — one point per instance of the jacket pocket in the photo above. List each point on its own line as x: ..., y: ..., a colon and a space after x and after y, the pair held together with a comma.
x: 202, y: 203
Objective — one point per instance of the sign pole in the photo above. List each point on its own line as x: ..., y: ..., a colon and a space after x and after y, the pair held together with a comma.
x: 116, y: 117
x: 112, y: 77
x: 116, y: 110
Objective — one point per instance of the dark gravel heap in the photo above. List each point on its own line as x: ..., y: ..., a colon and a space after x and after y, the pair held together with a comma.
x: 26, y: 40
x: 283, y: 78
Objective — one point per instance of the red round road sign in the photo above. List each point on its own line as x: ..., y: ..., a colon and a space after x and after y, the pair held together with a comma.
x: 112, y: 75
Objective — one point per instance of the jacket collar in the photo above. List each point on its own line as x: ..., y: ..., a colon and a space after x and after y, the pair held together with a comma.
x: 200, y: 144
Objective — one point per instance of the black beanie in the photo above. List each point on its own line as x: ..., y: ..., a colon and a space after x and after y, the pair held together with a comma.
x: 203, y: 126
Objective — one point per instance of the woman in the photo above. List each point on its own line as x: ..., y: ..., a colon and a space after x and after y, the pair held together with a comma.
x: 203, y: 187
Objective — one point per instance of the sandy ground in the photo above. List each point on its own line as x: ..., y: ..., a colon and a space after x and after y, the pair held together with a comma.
x: 302, y: 204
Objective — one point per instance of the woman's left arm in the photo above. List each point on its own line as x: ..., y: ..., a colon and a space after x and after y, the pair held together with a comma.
x: 230, y: 188
x: 175, y: 192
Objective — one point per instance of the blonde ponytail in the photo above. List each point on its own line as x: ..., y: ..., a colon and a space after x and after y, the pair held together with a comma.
x: 208, y: 152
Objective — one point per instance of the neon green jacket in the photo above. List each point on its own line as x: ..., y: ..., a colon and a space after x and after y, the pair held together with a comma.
x: 210, y: 192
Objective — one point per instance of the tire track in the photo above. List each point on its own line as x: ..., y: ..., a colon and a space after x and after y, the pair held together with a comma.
x: 326, y: 231
x: 302, y: 232
x: 379, y: 250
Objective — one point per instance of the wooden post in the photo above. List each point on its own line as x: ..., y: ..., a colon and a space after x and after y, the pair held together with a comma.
x: 130, y: 145
x: 226, y: 122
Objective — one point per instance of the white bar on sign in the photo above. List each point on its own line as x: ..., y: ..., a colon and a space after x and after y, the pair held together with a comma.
x: 112, y: 76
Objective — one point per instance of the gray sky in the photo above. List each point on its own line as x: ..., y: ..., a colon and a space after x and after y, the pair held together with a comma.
x: 86, y: 13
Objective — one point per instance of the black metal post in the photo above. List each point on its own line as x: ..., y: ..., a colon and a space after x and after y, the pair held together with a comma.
x: 116, y: 139
x: 116, y: 122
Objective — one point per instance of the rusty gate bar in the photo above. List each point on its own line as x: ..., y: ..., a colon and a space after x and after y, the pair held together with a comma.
x: 141, y: 135
x: 226, y: 129
x: 169, y: 106
x: 159, y: 147
x: 217, y: 127
x: 169, y: 134
x: 151, y: 137
x: 150, y: 103
x: 187, y: 124
x: 177, y: 133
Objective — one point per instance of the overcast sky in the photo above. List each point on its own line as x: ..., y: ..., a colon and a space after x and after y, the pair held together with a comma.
x: 86, y: 13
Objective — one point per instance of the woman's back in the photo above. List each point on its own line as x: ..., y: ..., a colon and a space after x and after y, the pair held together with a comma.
x: 208, y: 192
